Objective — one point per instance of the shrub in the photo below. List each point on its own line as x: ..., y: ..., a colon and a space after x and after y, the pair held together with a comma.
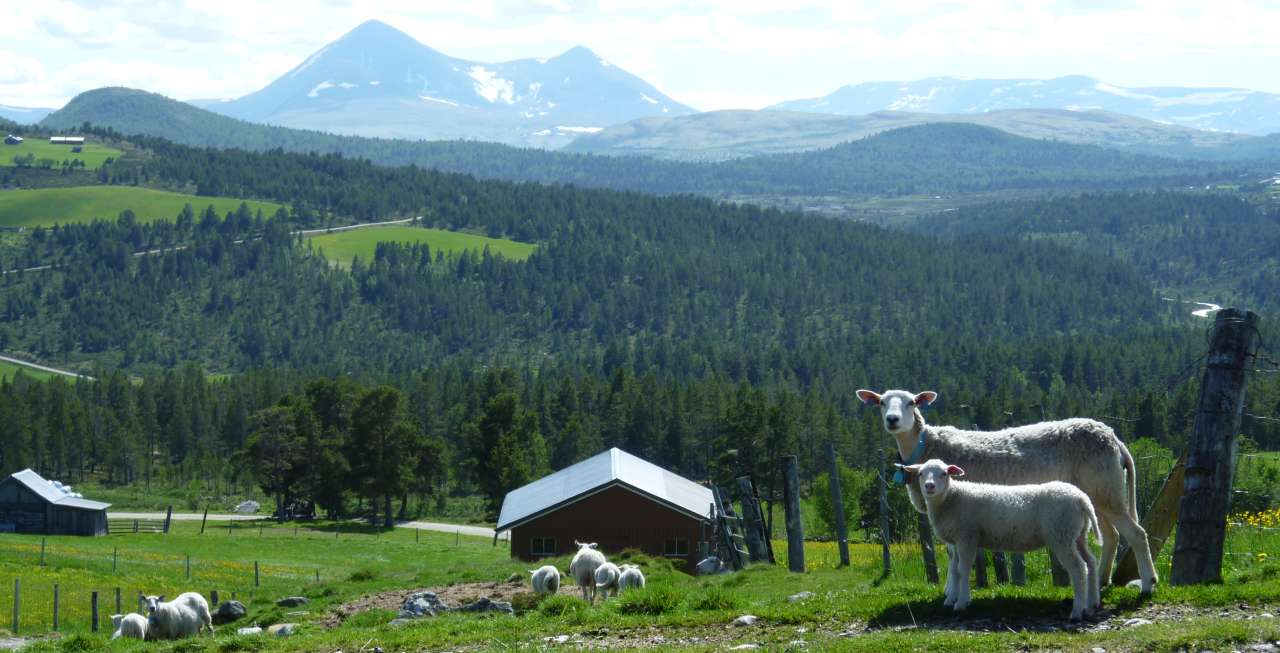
x: 361, y: 575
x: 714, y: 598
x: 652, y: 599
x: 370, y: 618
x: 561, y: 605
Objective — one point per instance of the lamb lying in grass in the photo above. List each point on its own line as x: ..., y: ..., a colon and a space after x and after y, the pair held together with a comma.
x: 583, y: 568
x: 970, y: 516
x: 546, y: 580
x: 129, y: 625
x: 607, y: 576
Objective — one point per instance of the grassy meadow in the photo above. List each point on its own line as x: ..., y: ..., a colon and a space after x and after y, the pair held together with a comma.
x: 855, y: 608
x: 93, y: 154
x: 8, y: 370
x: 342, y: 246
x: 49, y: 206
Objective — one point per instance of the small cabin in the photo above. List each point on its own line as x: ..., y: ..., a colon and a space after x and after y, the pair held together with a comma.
x: 66, y: 140
x: 12, y: 140
x: 31, y: 504
x: 615, y: 499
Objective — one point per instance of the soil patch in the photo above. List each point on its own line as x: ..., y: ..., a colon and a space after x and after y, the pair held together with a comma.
x: 453, y: 596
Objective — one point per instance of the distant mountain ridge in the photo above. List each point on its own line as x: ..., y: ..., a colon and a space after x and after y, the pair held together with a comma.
x: 721, y: 135
x: 24, y: 115
x: 1221, y: 109
x: 378, y: 81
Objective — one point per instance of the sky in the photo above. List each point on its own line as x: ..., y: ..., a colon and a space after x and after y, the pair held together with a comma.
x: 709, y: 54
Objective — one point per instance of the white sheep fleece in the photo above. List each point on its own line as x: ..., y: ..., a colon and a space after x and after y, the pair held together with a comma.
x: 583, y: 568
x: 131, y: 625
x: 184, y: 616
x: 546, y: 580
x: 631, y: 578
x: 607, y: 576
x: 972, y: 516
x: 1083, y: 452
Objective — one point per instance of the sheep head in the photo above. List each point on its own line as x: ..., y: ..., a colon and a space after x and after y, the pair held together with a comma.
x: 934, y: 477
x: 897, y: 407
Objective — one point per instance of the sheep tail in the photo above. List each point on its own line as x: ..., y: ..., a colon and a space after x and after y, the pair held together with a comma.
x: 1093, y: 521
x: 1131, y: 480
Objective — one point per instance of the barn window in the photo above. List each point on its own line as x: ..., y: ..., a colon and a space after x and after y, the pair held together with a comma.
x: 677, y: 548
x: 543, y: 546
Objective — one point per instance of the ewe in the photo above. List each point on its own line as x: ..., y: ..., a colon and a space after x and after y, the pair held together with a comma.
x: 583, y: 568
x: 182, y: 617
x: 1083, y: 452
x: 970, y: 516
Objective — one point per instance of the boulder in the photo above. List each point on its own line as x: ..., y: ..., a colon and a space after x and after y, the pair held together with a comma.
x: 293, y: 601
x: 745, y: 620
x: 712, y: 565
x: 228, y: 611
x: 422, y: 604
x: 282, y: 630
x: 251, y: 630
x: 485, y: 604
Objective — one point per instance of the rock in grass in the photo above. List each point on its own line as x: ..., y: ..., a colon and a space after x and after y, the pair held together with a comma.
x: 293, y: 601
x: 229, y: 611
x: 422, y: 604
x: 485, y: 604
x: 251, y: 630
x: 282, y: 630
x: 1136, y: 621
x: 799, y: 597
x: 745, y: 620
x: 744, y: 647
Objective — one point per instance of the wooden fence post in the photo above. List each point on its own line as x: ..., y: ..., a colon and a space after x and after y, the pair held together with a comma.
x: 168, y: 517
x: 980, y: 569
x: 213, y: 598
x: 17, y: 600
x: 115, y: 556
x: 42, y: 552
x: 93, y: 611
x: 204, y: 519
x: 1019, y: 573
x: 837, y: 501
x: 118, y: 610
x: 1157, y: 522
x: 255, y: 573
x: 795, y: 525
x: 188, y: 566
x: 1001, y: 567
x: 926, y: 548
x: 55, y: 607
x: 884, y: 524
x: 1059, y: 573
x: 1202, y: 513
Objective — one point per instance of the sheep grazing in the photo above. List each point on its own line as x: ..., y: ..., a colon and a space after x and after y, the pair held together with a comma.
x: 546, y: 580
x: 583, y: 568
x: 184, y: 616
x: 607, y: 576
x: 970, y: 516
x: 632, y: 578
x: 1083, y: 452
x: 129, y: 625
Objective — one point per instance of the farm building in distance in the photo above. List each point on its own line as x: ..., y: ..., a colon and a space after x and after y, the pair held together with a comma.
x: 30, y: 504
x: 613, y: 498
x: 12, y: 140
x: 66, y: 140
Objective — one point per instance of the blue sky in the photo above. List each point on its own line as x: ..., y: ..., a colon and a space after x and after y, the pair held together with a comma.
x: 711, y: 54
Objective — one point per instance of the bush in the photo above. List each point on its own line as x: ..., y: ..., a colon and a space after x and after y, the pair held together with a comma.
x: 652, y: 599
x: 361, y: 575
x: 714, y: 598
x: 561, y: 605
x: 852, y: 484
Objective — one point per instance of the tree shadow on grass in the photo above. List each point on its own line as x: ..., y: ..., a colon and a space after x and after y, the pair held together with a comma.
x: 994, y: 614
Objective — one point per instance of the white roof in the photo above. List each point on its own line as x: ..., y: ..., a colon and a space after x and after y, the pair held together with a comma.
x: 610, y: 468
x: 51, y: 493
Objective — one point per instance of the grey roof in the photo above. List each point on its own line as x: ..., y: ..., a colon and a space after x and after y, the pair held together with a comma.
x: 36, y: 483
x: 612, y: 467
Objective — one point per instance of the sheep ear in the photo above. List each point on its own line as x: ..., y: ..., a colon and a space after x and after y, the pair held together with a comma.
x: 925, y: 398
x: 869, y: 397
x: 954, y: 470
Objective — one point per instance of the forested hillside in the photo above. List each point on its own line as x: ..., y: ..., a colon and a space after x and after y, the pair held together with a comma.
x: 1218, y: 248
x: 925, y: 159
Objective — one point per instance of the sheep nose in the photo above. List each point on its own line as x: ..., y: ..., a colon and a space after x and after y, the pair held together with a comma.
x: 892, y: 420
x: 929, y: 487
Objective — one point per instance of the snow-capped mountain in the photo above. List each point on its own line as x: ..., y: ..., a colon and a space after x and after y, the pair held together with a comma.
x: 378, y: 81
x: 23, y: 115
x: 1221, y: 109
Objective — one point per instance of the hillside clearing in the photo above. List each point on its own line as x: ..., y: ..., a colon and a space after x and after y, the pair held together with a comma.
x: 49, y: 206
x: 342, y: 247
x: 9, y: 370
x: 93, y: 154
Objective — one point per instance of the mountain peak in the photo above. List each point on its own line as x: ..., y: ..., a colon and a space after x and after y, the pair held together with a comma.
x: 579, y: 53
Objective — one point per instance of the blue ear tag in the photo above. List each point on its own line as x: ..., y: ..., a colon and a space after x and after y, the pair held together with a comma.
x: 899, y: 477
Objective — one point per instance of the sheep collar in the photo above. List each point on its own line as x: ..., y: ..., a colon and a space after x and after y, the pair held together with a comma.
x: 899, y: 476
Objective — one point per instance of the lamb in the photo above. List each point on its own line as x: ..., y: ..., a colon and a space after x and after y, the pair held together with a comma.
x: 607, y: 576
x: 1083, y: 452
x: 583, y: 568
x: 969, y: 516
x: 631, y: 577
x: 129, y: 625
x: 184, y: 616
x: 546, y: 580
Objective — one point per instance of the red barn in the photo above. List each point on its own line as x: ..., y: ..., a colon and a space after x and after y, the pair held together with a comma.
x: 613, y: 498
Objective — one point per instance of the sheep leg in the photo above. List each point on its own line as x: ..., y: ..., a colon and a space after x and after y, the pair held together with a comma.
x: 1069, y: 555
x: 1110, y: 541
x: 949, y: 591
x: 1095, y: 596
x: 966, y: 553
x: 1136, y: 536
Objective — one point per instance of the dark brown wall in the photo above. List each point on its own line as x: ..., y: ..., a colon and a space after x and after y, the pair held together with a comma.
x: 617, y: 519
x: 27, y: 512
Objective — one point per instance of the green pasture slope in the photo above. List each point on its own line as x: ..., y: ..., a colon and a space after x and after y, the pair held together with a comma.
x: 49, y: 206
x: 342, y: 246
x: 8, y: 370
x: 93, y: 154
x: 853, y: 608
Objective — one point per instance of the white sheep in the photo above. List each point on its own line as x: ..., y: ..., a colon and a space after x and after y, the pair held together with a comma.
x: 184, y: 616
x: 1083, y: 452
x: 546, y: 579
x: 583, y: 568
x: 632, y: 578
x: 970, y: 516
x: 129, y: 625
x: 607, y: 576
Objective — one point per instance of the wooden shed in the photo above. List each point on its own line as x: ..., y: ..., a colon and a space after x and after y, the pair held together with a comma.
x: 31, y: 504
x: 614, y: 499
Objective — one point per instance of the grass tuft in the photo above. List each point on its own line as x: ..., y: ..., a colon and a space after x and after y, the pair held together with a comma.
x: 651, y: 599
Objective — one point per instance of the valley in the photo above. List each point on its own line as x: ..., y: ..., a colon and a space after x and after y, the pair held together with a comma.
x: 48, y: 207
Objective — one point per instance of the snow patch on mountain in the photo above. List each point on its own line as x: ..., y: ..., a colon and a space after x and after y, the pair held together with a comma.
x: 315, y: 90
x: 648, y: 99
x: 578, y: 130
x: 310, y: 60
x: 491, y: 87
x: 436, y: 99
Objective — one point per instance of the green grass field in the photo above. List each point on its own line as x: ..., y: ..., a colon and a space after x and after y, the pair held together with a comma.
x: 343, y: 246
x: 854, y: 608
x: 93, y: 154
x: 8, y: 370
x: 47, y: 206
